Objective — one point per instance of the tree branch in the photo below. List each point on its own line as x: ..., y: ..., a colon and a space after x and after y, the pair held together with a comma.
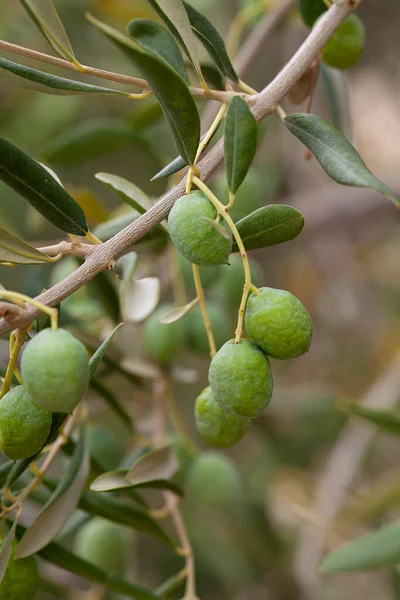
x: 262, y: 105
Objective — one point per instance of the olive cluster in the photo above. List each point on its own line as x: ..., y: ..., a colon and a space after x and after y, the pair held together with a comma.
x: 55, y: 372
x: 240, y: 376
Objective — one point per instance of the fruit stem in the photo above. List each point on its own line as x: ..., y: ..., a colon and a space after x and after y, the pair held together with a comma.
x: 247, y: 88
x: 16, y: 342
x: 280, y: 112
x: 203, y: 307
x: 21, y: 298
x: 248, y: 286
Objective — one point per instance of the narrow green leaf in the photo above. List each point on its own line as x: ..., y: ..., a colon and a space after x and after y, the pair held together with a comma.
x: 26, y: 77
x: 157, y: 464
x: 157, y: 40
x: 175, y: 17
x: 98, y: 355
x: 46, y: 18
x: 62, y: 503
x: 375, y: 550
x: 212, y: 42
x: 139, y: 298
x: 269, y: 225
x: 310, y: 10
x: 383, y: 419
x: 88, y: 139
x: 112, y: 400
x: 240, y: 142
x: 335, y: 153
x: 170, y: 89
x: 127, y: 191
x: 116, y: 481
x: 33, y: 182
x: 14, y: 250
x: 6, y: 549
x: 65, y: 559
x: 173, y: 585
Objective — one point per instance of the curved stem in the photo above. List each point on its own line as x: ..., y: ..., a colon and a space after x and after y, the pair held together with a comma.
x: 16, y: 343
x: 203, y: 307
x: 248, y: 286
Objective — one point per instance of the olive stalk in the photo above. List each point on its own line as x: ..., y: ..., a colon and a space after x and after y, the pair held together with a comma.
x: 203, y: 307
x: 16, y: 343
x: 248, y: 285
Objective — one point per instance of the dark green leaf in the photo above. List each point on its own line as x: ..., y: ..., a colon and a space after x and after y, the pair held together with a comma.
x: 335, y: 153
x: 27, y: 177
x: 175, y: 17
x: 375, y: 550
x: 212, y: 41
x: 213, y: 77
x: 269, y: 225
x: 23, y: 76
x: 240, y: 142
x: 14, y: 250
x: 383, y: 419
x: 127, y: 191
x: 6, y: 549
x: 98, y: 355
x: 112, y: 401
x: 152, y: 36
x: 116, y: 481
x: 63, y: 558
x: 62, y: 503
x: 46, y: 18
x: 171, y: 90
x: 310, y: 10
x: 89, y: 139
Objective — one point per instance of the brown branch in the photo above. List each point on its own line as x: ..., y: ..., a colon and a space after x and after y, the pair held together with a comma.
x: 262, y: 104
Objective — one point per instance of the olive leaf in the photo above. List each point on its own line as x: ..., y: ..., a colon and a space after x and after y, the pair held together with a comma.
x: 67, y: 560
x: 240, y: 142
x: 139, y: 298
x: 212, y: 42
x: 98, y: 355
x: 268, y: 226
x: 384, y: 419
x: 159, y: 41
x: 224, y: 231
x: 170, y: 89
x: 334, y: 152
x: 6, y: 549
x: 27, y: 177
x: 62, y: 503
x: 111, y: 399
x: 177, y: 312
x: 175, y: 17
x: 117, y: 481
x: 375, y: 550
x: 87, y: 139
x: 45, y: 17
x: 14, y: 250
x: 157, y: 464
x: 127, y: 191
x: 26, y: 77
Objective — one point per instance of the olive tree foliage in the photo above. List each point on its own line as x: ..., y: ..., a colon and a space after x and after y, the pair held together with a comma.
x: 43, y: 412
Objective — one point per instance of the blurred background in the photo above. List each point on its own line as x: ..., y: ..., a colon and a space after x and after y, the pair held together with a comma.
x: 344, y: 267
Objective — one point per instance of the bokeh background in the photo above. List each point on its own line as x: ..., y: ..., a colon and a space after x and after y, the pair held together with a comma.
x: 344, y: 267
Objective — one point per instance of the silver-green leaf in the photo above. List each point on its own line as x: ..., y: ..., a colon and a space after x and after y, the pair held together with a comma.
x: 101, y: 350
x: 335, y: 154
x: 240, y: 142
x: 14, y: 250
x: 127, y: 191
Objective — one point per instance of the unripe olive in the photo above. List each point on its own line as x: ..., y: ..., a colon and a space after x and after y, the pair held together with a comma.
x: 194, y: 236
x: 24, y: 426
x: 163, y: 342
x: 55, y: 370
x: 240, y: 378
x: 21, y: 578
x: 107, y: 450
x: 218, y: 428
x: 103, y: 544
x: 347, y: 44
x: 196, y: 331
x: 278, y: 323
x: 214, y: 480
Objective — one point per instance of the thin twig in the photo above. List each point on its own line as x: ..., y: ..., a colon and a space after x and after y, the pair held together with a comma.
x: 343, y: 464
x: 263, y: 104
